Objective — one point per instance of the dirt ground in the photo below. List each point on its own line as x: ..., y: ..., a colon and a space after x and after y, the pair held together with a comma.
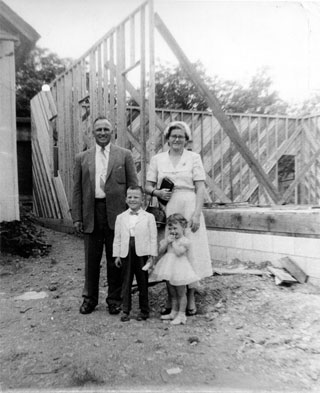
x: 249, y: 335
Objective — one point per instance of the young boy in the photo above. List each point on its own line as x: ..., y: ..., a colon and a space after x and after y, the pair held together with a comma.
x: 135, y: 243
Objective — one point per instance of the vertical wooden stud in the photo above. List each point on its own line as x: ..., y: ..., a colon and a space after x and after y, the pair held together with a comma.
x: 122, y: 138
x: 151, y: 101
x: 143, y: 96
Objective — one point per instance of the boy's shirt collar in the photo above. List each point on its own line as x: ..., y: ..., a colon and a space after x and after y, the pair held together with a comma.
x: 135, y: 213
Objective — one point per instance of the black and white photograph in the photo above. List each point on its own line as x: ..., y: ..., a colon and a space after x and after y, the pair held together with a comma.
x: 159, y: 196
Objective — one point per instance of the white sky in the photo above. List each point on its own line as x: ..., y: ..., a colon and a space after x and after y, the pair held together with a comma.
x: 231, y: 38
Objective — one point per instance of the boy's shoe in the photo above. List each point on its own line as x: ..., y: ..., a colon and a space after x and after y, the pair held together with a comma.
x: 125, y: 317
x: 169, y: 317
x: 180, y: 319
x: 114, y: 309
x: 142, y: 316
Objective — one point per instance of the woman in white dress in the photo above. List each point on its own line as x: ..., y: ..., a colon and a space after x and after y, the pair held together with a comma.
x: 186, y: 171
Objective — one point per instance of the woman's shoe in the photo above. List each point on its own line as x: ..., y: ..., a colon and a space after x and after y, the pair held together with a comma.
x: 165, y: 311
x: 180, y: 319
x: 169, y: 317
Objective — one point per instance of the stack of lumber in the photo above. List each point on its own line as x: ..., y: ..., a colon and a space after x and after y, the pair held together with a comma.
x: 49, y: 196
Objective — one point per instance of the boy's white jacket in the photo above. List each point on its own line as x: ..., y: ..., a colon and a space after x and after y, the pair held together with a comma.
x: 145, y: 235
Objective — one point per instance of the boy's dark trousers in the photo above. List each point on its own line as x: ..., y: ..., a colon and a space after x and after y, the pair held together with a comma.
x: 132, y: 266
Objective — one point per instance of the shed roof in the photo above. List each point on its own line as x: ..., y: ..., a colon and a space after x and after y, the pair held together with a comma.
x: 13, y: 26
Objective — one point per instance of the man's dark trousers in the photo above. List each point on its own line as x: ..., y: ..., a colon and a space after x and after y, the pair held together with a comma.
x: 94, y: 242
x: 132, y: 266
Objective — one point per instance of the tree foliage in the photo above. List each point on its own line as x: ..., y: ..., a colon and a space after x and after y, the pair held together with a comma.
x: 175, y: 90
x: 41, y: 67
x: 310, y: 106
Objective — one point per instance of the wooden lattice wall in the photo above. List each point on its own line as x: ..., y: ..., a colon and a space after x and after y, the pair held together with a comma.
x: 268, y: 137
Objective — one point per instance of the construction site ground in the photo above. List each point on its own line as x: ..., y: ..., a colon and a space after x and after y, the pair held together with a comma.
x: 249, y: 334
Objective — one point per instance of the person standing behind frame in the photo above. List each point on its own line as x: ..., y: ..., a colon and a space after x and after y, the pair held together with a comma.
x: 101, y: 177
x: 184, y: 168
x: 135, y: 243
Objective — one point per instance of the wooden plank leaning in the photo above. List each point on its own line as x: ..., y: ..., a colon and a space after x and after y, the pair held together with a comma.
x: 62, y: 199
x: 294, y: 269
x: 45, y: 190
x: 42, y: 161
x: 38, y: 200
x: 214, y: 104
x: 281, y: 277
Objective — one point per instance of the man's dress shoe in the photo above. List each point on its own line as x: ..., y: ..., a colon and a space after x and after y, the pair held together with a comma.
x: 87, y: 307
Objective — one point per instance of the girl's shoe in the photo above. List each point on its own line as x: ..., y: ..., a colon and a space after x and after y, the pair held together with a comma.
x: 180, y: 319
x: 165, y: 311
x: 169, y: 317
x: 190, y: 312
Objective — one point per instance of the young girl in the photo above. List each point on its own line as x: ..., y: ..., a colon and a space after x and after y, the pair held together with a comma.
x: 175, y: 267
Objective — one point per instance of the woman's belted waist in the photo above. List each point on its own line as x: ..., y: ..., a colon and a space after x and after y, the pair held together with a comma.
x: 178, y: 188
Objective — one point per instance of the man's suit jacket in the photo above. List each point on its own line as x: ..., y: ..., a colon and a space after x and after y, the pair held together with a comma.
x: 121, y: 174
x: 145, y: 235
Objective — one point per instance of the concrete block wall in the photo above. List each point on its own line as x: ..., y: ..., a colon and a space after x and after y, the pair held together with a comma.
x: 227, y: 245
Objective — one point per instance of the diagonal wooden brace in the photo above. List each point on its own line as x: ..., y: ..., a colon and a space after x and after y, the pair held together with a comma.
x: 225, y: 122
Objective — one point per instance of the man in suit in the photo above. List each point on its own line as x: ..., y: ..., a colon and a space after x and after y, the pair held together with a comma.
x: 102, y: 175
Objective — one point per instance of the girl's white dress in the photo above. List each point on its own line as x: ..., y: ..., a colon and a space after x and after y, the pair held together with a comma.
x: 175, y: 268
x: 183, y: 200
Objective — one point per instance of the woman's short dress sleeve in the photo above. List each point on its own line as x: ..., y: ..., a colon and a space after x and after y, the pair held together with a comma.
x: 198, y: 172
x: 152, y: 174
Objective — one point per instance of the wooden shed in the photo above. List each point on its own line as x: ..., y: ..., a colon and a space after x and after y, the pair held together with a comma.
x: 16, y: 40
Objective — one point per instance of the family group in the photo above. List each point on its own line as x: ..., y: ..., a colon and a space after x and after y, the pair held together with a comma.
x: 108, y: 209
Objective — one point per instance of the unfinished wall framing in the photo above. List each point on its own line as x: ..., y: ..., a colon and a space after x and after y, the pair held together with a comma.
x: 248, y: 158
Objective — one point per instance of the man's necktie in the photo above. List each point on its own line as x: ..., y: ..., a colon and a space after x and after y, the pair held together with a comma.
x: 104, y: 171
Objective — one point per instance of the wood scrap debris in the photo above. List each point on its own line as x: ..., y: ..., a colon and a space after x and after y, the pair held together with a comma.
x: 222, y: 271
x: 286, y: 271
x: 23, y: 237
x: 292, y: 268
x: 281, y: 276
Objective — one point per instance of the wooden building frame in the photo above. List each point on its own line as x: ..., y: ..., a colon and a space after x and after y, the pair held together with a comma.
x: 100, y: 83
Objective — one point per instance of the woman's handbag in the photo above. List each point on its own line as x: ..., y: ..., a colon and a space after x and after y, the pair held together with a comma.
x: 158, y: 212
x: 168, y: 184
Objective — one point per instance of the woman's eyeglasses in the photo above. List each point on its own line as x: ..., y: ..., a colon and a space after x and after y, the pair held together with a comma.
x: 177, y: 136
